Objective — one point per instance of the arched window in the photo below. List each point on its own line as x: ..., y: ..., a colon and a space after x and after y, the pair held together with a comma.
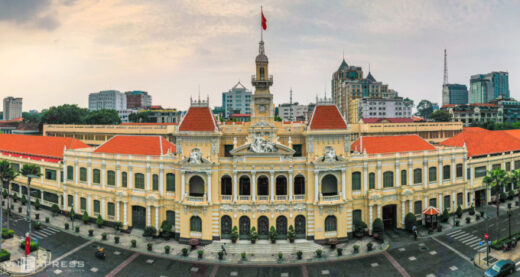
x: 417, y: 176
x: 371, y: 180
x: 70, y: 173
x: 403, y: 178
x: 82, y: 174
x: 225, y: 226
x: 225, y: 185
x: 281, y: 225
x: 299, y: 185
x: 195, y: 224
x: 111, y: 178
x: 124, y: 179
x: 170, y: 182
x: 155, y: 182
x: 432, y: 174
x: 196, y: 186
x: 446, y: 172
x: 170, y: 217
x: 356, y: 180
x: 262, y: 73
x: 388, y: 179
x: 330, y: 223
x: 263, y: 185
x: 459, y: 171
x: 329, y: 185
x: 244, y: 185
x: 96, y: 176
x: 281, y: 185
x: 139, y: 181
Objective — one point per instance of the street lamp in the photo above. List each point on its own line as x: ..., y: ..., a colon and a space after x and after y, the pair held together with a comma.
x: 509, y: 213
x: 29, y: 178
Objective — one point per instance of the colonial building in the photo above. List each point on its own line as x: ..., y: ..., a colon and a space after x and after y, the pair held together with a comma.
x: 210, y: 177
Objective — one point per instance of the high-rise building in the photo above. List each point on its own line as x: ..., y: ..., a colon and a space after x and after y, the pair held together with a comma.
x: 454, y: 94
x: 12, y: 108
x: 344, y: 73
x: 138, y: 99
x: 487, y: 87
x: 107, y: 99
x: 362, y: 108
x: 292, y: 112
x: 237, y: 100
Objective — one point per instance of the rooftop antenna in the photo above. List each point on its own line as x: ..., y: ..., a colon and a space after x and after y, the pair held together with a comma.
x: 368, y: 67
x: 445, y: 67
x: 290, y: 106
x: 343, y: 54
x: 199, y: 92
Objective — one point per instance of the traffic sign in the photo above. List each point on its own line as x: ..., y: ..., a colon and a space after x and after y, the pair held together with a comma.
x: 489, y: 242
x: 486, y: 236
x: 481, y: 243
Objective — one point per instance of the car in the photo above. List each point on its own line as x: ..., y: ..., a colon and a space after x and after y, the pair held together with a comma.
x: 501, y: 268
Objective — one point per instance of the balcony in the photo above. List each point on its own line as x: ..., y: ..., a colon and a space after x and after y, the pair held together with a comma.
x: 196, y: 199
x: 281, y: 197
x: 262, y: 82
x: 299, y: 197
x: 263, y: 197
x: 330, y: 198
x: 226, y: 197
x: 244, y: 197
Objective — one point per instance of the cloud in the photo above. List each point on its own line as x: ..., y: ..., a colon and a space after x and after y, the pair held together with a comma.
x: 35, y: 14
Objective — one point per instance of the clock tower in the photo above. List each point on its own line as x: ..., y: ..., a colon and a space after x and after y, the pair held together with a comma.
x: 262, y: 107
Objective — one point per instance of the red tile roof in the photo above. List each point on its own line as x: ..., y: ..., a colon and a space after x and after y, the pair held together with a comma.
x: 483, y: 142
x: 149, y: 123
x: 136, y: 145
x: 37, y: 147
x: 327, y: 117
x: 198, y: 119
x: 418, y: 119
x: 18, y: 119
x: 388, y: 120
x: 391, y: 144
x: 448, y: 106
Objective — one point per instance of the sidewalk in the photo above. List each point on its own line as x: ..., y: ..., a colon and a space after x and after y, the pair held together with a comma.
x: 262, y: 251
x: 495, y: 256
x: 19, y: 264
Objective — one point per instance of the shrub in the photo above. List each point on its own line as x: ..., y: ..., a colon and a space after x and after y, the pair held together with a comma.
x: 409, y: 221
x: 185, y: 252
x: 90, y: 233
x: 72, y: 214
x: 149, y: 246
x: 234, y: 234
x: 33, y: 246
x: 359, y: 226
x: 369, y: 246
x: 15, y: 197
x: 85, y: 217
x: 468, y: 220
x: 66, y: 226
x: 118, y: 225
x: 116, y: 239
x: 4, y: 193
x: 149, y: 231
x: 37, y: 203
x: 167, y: 249
x: 319, y: 252
x: 472, y: 210
x: 340, y: 251
x: 134, y: 243
x: 4, y: 255
x: 200, y: 253
x: 291, y: 234
x: 37, y: 225
x: 104, y: 236
x: 20, y: 209
x: 457, y: 222
x: 244, y: 256
x: 221, y: 255
x: 24, y: 200
x: 477, y: 217
x: 273, y: 235
x: 503, y: 197
x: 37, y: 216
x: 7, y: 234
x: 166, y: 228
x: 47, y: 219
x: 439, y: 228
x: 77, y: 229
x: 280, y: 256
x: 445, y: 216
x: 377, y: 226
x: 99, y: 221
x: 299, y: 254
x: 356, y: 248
x: 55, y: 209
x: 459, y: 212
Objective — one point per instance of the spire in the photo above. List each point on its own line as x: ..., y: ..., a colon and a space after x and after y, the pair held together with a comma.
x: 290, y: 106
x: 445, y: 67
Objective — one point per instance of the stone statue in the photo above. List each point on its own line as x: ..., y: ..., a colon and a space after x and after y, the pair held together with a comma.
x: 260, y: 145
x: 329, y: 155
x: 195, y: 156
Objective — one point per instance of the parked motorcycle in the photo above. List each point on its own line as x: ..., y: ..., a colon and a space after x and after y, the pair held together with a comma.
x: 100, y: 254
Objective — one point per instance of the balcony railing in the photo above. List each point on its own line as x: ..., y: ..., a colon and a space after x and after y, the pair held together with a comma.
x: 244, y: 197
x: 299, y: 197
x: 263, y: 197
x: 329, y: 197
x: 196, y: 198
x: 226, y: 197
x: 281, y: 197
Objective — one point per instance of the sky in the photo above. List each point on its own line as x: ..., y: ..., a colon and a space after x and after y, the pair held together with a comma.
x: 54, y: 52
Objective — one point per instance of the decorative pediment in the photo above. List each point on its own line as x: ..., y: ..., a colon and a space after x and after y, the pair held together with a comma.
x: 226, y: 208
x: 299, y: 207
x: 196, y: 158
x: 260, y: 149
x: 262, y: 208
x: 281, y: 208
x: 244, y: 208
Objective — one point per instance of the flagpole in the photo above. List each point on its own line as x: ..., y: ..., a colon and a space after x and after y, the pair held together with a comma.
x: 261, y: 28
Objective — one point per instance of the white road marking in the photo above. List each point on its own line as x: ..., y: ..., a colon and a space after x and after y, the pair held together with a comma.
x: 72, y: 251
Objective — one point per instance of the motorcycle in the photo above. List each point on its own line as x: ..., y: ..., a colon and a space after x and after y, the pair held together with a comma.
x: 100, y: 254
x: 507, y: 247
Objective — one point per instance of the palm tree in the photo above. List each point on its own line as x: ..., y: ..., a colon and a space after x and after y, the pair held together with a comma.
x: 30, y: 171
x: 514, y: 177
x: 497, y: 178
x: 7, y: 174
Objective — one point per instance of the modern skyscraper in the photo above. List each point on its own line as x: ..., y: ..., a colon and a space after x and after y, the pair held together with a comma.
x: 237, y: 100
x: 344, y: 73
x: 487, y: 87
x: 12, y: 108
x: 107, y: 99
x: 138, y: 99
x: 454, y: 94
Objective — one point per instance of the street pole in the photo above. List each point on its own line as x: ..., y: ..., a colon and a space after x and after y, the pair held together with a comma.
x: 29, y: 206
x: 487, y: 231
x: 509, y: 215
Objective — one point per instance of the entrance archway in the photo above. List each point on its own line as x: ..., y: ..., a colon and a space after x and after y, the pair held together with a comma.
x: 281, y: 227
x: 138, y: 217
x: 263, y: 227
x: 245, y: 227
x: 390, y: 216
x: 299, y: 226
x: 225, y: 227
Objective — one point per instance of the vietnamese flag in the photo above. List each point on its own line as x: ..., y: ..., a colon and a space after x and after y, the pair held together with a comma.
x: 264, y: 21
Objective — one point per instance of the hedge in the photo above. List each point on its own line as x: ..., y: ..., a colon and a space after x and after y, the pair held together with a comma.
x: 34, y: 245
x: 7, y: 234
x: 499, y: 244
x: 4, y: 255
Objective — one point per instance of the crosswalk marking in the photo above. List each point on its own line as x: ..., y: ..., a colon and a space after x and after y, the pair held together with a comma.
x: 465, y: 235
x: 43, y: 233
x: 470, y: 240
x: 47, y: 232
x: 453, y: 233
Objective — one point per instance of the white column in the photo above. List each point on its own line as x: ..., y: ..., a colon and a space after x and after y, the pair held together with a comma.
x: 378, y: 211
x: 65, y: 200
x: 397, y: 173
x: 379, y: 177
x: 454, y: 201
x: 183, y: 185
x: 316, y: 185
x: 271, y: 181
x: 365, y: 177
x: 89, y: 173
x: 425, y: 173
x: 465, y: 167
x: 235, y: 189
x: 370, y: 216
x: 209, y: 186
x: 89, y: 205
x: 410, y: 206
x: 118, y: 175
x: 426, y: 204
x: 465, y: 199
x: 253, y: 182
x: 148, y: 215
x: 64, y: 172
x: 440, y: 202
x: 76, y: 202
x: 410, y: 172
x: 76, y: 176
x: 440, y: 171
x: 343, y: 184
x: 103, y: 175
x: 403, y: 207
x: 147, y: 177
x: 157, y: 218
x: 125, y: 216
x: 117, y: 211
x: 472, y: 175
x: 453, y: 169
x: 130, y: 177
x: 161, y: 180
x: 291, y: 185
x: 58, y: 178
x: 103, y: 208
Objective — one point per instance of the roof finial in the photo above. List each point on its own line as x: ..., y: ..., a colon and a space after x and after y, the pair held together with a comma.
x: 199, y: 92
x: 343, y: 53
x: 368, y: 67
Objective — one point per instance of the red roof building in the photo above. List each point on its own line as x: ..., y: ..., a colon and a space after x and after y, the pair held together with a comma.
x: 327, y: 117
x: 149, y: 123
x: 388, y: 120
x: 37, y: 147
x: 481, y: 142
x: 137, y: 145
x: 198, y: 119
x: 390, y: 144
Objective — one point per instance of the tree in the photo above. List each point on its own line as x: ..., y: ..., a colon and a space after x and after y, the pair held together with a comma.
x: 32, y: 117
x: 445, y: 216
x: 441, y: 116
x: 140, y: 117
x: 409, y: 221
x: 166, y: 228
x: 424, y: 109
x: 85, y: 217
x: 497, y: 179
x: 7, y: 174
x: 378, y: 226
x: 99, y: 221
x: 55, y: 209
x: 65, y: 114
x: 104, y: 116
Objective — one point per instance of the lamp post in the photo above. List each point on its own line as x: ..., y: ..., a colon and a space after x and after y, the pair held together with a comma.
x: 509, y: 213
x: 29, y: 178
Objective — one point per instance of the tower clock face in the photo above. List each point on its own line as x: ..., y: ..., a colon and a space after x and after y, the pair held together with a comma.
x: 262, y: 108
